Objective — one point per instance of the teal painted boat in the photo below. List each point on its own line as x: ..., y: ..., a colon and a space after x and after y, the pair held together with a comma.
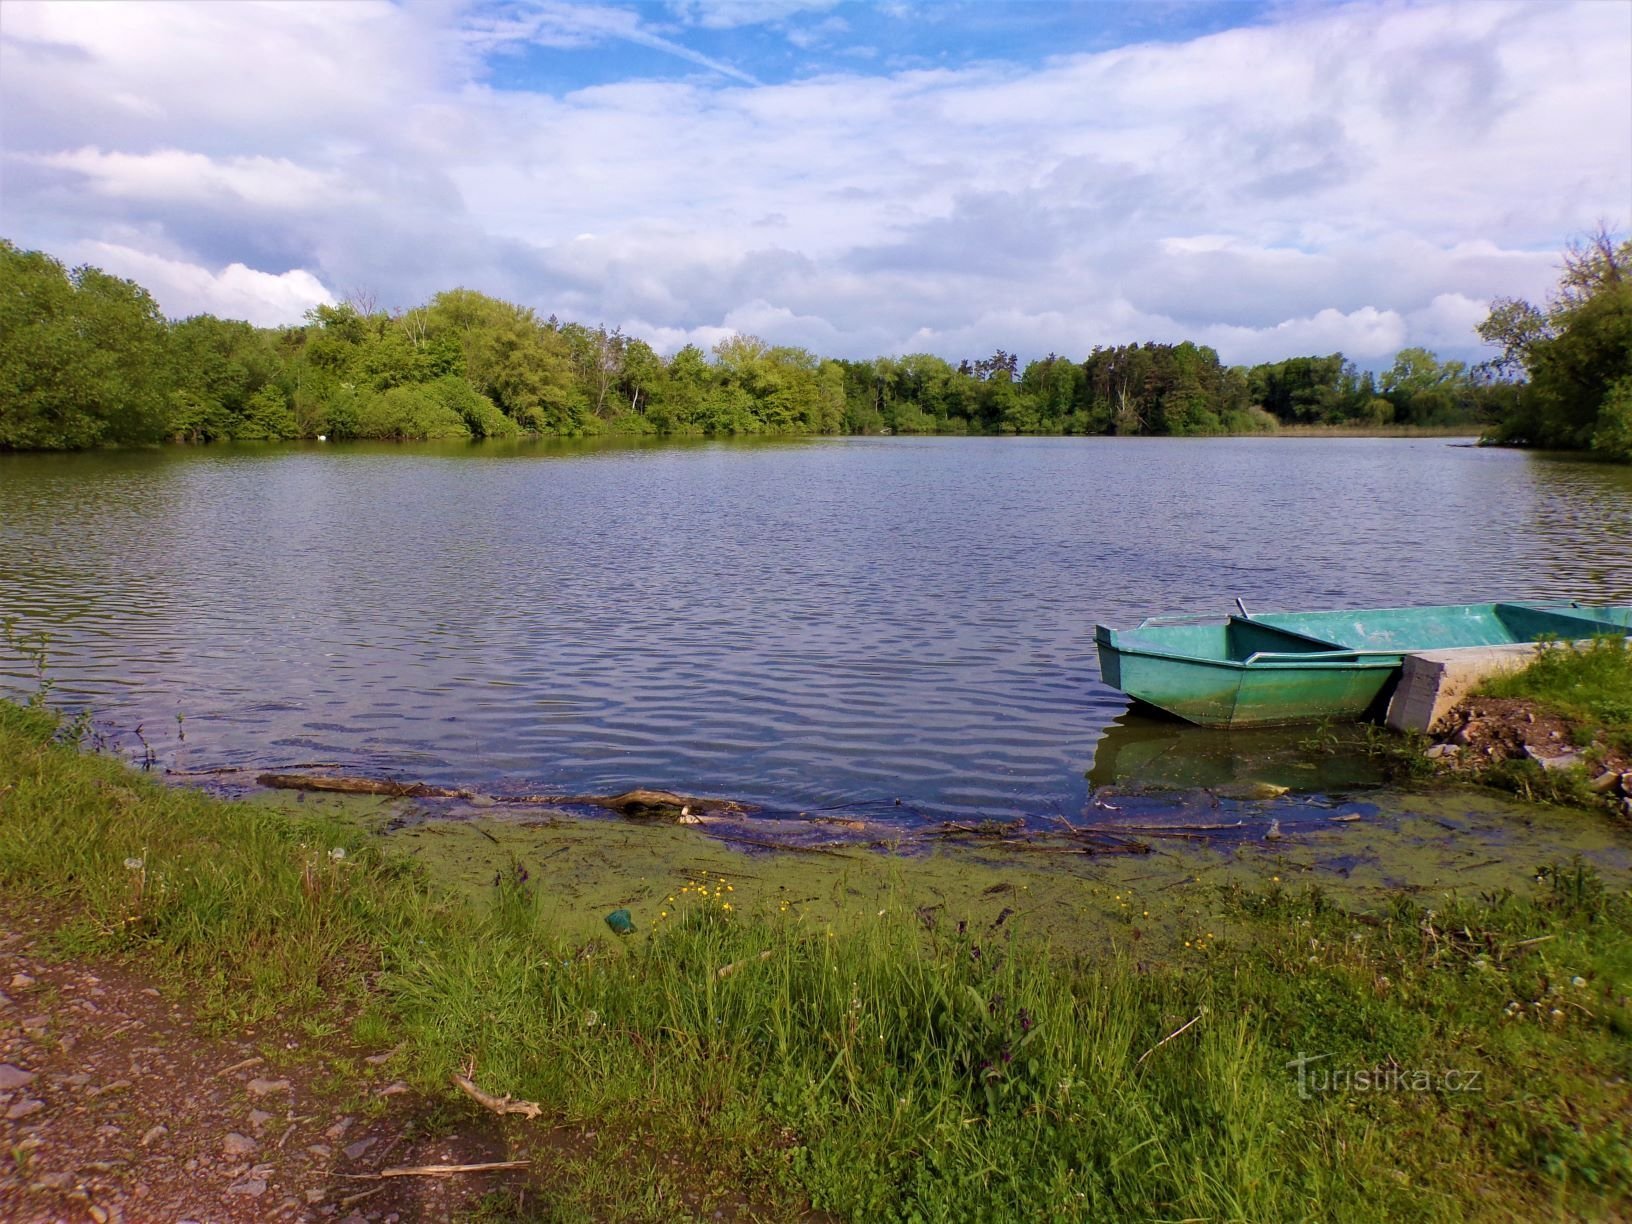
x: 1277, y: 668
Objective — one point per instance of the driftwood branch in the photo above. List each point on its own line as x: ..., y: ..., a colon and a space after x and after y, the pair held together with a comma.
x: 499, y: 1105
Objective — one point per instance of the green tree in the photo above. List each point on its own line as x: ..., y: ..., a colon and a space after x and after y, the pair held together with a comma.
x: 82, y: 356
x: 1576, y: 354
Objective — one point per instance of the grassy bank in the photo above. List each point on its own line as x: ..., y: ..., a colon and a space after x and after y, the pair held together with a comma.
x: 1466, y: 1060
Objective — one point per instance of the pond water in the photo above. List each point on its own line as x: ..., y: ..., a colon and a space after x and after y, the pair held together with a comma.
x: 803, y: 624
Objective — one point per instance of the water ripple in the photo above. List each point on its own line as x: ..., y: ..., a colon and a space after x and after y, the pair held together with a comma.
x: 802, y: 624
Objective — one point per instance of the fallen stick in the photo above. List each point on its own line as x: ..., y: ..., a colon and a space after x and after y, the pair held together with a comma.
x: 499, y: 1105
x: 437, y: 1170
x: 725, y: 971
x: 1171, y: 1035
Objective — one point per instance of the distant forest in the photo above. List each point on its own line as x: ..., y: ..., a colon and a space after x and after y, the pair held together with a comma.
x: 88, y: 359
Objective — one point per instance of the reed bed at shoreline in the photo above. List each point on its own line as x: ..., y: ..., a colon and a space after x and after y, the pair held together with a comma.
x: 1460, y: 1058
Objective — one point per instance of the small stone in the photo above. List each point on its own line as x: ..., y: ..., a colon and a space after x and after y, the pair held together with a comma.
x: 98, y: 1214
x: 14, y: 1077
x: 1562, y: 760
x: 154, y: 1134
x: 1606, y: 782
x: 315, y: 1197
x: 261, y: 1087
x: 321, y: 1150
x: 338, y: 1129
x: 23, y: 1109
x: 254, y: 1187
x: 259, y: 1118
x: 393, y: 1089
x: 355, y: 1150
x: 77, y: 1080
x: 481, y: 801
x: 54, y: 1181
x: 21, y: 981
x: 1626, y: 783
x: 1440, y: 750
x: 237, y: 1145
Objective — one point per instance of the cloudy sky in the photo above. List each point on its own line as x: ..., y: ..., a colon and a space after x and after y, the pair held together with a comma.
x: 1270, y: 179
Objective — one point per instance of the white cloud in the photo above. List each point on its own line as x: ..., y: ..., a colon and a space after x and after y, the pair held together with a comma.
x: 171, y: 175
x: 235, y: 292
x: 1353, y: 177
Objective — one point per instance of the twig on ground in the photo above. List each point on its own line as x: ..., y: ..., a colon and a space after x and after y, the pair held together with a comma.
x: 499, y: 1105
x: 725, y: 971
x: 435, y: 1171
x: 1171, y: 1035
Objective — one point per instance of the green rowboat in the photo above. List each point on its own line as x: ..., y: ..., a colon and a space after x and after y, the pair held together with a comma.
x: 1277, y: 668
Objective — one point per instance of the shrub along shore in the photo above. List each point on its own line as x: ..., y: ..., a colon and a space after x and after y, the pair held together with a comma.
x: 1465, y: 1060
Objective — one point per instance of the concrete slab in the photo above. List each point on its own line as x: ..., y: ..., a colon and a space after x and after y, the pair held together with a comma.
x: 1433, y: 681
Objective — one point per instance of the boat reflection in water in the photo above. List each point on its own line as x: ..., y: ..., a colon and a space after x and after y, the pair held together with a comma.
x: 1142, y: 752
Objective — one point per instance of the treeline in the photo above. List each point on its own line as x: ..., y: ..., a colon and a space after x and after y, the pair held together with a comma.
x: 88, y: 359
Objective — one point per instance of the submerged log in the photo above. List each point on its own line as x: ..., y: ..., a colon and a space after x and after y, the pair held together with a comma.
x: 359, y: 786
x: 642, y: 804
x: 639, y: 804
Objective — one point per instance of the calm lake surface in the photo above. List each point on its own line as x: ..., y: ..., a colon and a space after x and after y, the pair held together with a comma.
x: 802, y: 624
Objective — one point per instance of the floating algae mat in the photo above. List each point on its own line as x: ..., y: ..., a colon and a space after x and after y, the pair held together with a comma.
x: 1429, y: 844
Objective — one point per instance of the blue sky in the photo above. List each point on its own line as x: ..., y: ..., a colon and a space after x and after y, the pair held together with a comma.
x: 858, y: 179
x: 775, y: 43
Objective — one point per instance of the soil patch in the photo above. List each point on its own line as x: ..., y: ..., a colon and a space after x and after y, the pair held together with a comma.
x: 113, y: 1106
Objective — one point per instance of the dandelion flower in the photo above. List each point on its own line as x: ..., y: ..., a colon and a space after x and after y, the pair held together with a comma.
x: 726, y: 906
x: 134, y: 864
x: 338, y: 853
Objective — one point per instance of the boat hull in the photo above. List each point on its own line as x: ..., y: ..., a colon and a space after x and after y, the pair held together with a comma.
x: 1278, y: 669
x: 1224, y: 694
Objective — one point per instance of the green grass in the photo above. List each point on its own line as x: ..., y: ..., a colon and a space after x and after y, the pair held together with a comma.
x: 885, y: 1070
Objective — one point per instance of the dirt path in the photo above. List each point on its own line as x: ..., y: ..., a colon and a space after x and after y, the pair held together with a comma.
x: 113, y: 1108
